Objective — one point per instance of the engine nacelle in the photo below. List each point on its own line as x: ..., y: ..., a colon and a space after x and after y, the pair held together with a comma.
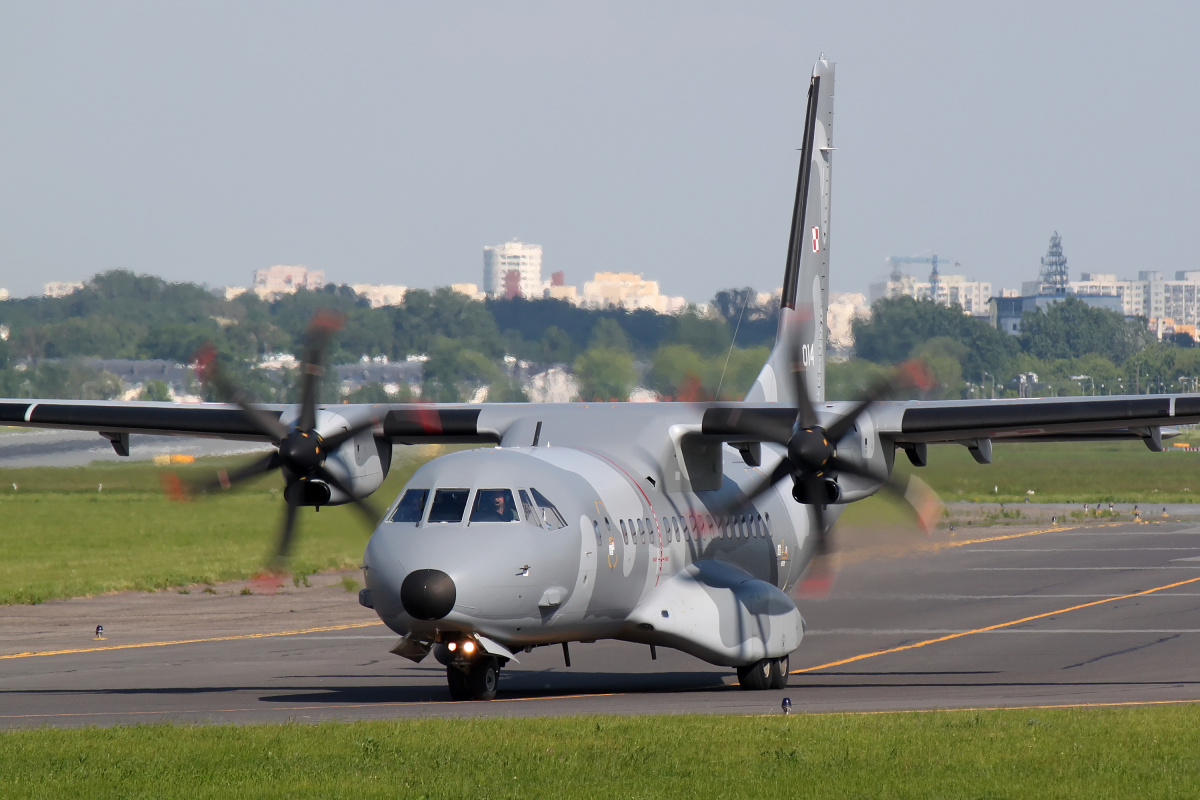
x: 361, y: 463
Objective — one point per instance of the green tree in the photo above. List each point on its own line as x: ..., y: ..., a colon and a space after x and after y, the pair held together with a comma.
x: 605, y: 373
x: 943, y: 356
x: 507, y: 389
x: 155, y: 390
x: 557, y: 346
x: 899, y: 325
x: 1070, y: 328
x: 609, y: 333
x: 453, y: 372
x: 677, y: 371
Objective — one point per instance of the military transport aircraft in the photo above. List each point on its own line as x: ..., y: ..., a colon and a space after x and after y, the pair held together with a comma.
x: 684, y: 525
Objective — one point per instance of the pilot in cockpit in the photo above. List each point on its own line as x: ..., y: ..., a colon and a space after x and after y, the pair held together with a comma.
x: 493, y: 505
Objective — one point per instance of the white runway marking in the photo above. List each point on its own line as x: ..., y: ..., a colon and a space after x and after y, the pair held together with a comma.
x: 1078, y: 550
x: 947, y: 631
x: 1074, y: 569
x: 956, y: 597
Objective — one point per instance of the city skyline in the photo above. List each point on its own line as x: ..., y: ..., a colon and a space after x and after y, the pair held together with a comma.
x: 386, y: 142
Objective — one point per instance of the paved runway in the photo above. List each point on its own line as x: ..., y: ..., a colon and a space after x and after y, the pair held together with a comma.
x: 1105, y: 614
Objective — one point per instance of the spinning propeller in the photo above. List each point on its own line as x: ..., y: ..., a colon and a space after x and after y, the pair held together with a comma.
x: 301, y: 449
x: 813, y: 464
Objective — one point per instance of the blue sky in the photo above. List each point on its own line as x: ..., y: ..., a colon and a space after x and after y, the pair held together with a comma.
x: 388, y: 142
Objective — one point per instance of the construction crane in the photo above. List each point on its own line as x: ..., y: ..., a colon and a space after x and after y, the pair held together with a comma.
x: 896, y: 261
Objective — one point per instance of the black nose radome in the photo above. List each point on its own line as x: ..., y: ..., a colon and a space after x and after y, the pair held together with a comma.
x: 427, y: 594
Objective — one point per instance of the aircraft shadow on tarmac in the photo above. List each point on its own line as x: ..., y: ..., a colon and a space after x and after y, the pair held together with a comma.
x: 516, y: 685
x: 536, y: 685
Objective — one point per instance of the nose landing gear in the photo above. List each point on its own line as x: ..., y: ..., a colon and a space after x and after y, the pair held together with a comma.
x: 477, y: 680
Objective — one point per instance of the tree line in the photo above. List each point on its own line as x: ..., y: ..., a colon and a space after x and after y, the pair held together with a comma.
x: 1071, y: 348
x: 120, y: 315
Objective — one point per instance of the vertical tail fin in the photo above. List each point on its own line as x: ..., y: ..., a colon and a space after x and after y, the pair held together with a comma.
x: 802, y: 316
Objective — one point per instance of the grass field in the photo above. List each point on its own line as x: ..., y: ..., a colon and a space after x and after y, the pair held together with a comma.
x: 65, y: 537
x: 85, y: 531
x: 1119, y: 472
x: 1074, y: 753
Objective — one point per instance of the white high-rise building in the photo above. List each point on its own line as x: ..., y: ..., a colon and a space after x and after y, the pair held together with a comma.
x: 499, y: 259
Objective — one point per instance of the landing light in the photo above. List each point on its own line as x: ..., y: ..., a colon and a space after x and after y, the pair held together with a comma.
x: 468, y: 647
x: 452, y: 646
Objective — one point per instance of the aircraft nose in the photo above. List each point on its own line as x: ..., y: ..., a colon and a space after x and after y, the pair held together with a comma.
x: 427, y: 594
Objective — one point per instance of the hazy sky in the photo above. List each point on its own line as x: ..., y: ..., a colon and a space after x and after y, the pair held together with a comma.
x: 388, y: 142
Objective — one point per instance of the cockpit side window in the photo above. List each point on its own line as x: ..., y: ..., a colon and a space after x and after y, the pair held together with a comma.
x: 549, y: 513
x: 448, y: 505
x: 494, y: 505
x: 531, y: 515
x: 411, y: 507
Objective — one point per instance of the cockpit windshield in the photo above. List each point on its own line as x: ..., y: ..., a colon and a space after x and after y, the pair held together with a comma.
x: 448, y: 505
x: 494, y: 505
x: 531, y: 515
x: 411, y: 506
x: 550, y: 516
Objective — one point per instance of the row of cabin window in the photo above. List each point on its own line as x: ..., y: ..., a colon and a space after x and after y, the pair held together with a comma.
x: 490, y: 505
x: 737, y: 526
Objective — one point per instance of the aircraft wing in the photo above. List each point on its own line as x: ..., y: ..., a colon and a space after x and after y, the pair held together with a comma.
x: 408, y: 423
x: 1031, y: 420
x: 912, y: 423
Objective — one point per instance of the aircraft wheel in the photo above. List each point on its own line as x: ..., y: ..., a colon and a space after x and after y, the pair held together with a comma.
x: 457, y: 680
x: 756, y: 676
x: 484, y: 678
x: 780, y: 668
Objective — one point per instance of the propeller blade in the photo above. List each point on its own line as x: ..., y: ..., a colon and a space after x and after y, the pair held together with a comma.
x: 806, y: 414
x: 227, y: 480
x: 338, y: 439
x: 324, y: 323
x: 208, y: 371
x: 362, y: 505
x: 911, y: 374
x: 916, y: 493
x: 286, y: 537
x: 921, y: 497
x: 781, y: 471
x: 817, y: 582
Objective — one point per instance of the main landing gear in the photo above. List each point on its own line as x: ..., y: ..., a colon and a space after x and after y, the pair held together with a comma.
x: 766, y: 673
x: 476, y: 680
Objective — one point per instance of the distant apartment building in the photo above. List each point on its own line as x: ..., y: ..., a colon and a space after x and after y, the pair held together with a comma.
x: 380, y: 295
x: 469, y: 289
x: 1167, y: 305
x: 285, y: 279
x: 973, y: 296
x: 630, y: 291
x: 61, y: 288
x: 525, y: 259
x: 844, y: 308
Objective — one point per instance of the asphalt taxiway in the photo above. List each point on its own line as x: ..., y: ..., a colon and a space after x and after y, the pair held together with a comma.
x: 1102, y: 613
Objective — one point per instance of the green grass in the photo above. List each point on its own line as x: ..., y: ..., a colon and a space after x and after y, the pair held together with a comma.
x: 1119, y: 472
x: 64, y: 538
x: 1079, y: 753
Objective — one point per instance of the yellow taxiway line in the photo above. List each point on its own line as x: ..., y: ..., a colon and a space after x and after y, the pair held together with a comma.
x: 321, y: 629
x: 995, y: 627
